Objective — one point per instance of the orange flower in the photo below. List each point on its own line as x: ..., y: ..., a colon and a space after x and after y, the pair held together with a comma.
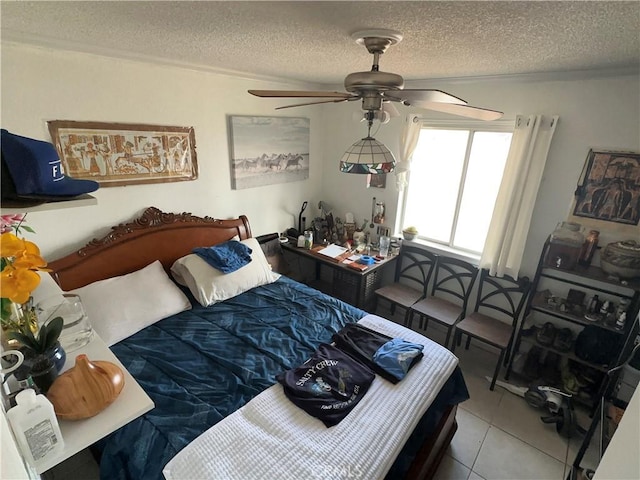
x: 21, y: 259
x: 10, y: 245
x: 16, y: 284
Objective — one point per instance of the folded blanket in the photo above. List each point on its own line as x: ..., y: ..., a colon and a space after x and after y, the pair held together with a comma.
x: 398, y: 356
x: 226, y: 257
x: 362, y: 343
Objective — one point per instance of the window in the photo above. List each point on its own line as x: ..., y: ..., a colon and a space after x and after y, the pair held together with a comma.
x: 455, y: 176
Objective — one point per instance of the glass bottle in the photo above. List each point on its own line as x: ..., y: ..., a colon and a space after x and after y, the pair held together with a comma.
x: 565, y: 245
x: 594, y: 305
x: 589, y: 248
x: 308, y: 239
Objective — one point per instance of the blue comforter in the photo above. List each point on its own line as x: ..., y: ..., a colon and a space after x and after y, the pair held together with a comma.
x: 205, y: 363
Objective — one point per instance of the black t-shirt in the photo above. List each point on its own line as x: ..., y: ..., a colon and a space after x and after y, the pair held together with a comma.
x: 328, y: 385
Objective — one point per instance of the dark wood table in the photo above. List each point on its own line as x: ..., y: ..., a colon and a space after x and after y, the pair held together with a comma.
x: 350, y: 285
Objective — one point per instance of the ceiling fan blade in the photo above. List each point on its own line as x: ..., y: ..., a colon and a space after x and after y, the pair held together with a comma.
x: 462, y: 110
x: 413, y: 96
x: 337, y: 100
x: 298, y: 93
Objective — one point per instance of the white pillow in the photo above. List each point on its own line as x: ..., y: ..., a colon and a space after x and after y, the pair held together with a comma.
x: 120, y: 306
x: 209, y: 285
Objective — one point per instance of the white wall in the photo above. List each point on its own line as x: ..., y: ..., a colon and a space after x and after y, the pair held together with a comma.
x: 40, y: 85
x: 595, y: 111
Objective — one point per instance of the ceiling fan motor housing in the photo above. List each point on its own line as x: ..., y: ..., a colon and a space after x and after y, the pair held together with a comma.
x: 378, y: 81
x: 370, y: 85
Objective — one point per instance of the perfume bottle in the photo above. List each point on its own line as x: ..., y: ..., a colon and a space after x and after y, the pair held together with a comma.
x: 589, y: 248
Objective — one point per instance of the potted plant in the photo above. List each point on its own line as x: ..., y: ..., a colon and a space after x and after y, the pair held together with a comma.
x: 410, y: 233
x: 44, y: 357
x: 20, y: 262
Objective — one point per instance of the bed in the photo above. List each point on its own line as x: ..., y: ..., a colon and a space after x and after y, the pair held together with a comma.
x: 211, y: 369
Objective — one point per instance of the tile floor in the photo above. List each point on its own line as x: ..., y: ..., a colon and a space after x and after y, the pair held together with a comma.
x: 499, y: 437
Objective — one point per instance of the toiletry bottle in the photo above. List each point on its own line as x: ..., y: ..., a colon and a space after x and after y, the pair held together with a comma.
x: 589, y: 248
x: 594, y: 305
x: 35, y: 427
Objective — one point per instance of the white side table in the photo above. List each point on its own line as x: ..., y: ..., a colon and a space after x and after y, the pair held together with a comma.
x: 130, y: 404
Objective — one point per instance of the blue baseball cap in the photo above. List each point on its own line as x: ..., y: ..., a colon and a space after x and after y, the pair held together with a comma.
x: 36, y: 171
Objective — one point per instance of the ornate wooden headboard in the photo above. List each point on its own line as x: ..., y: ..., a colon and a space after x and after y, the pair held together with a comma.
x: 131, y: 246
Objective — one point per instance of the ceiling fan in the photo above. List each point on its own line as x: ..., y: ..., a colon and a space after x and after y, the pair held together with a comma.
x: 378, y: 90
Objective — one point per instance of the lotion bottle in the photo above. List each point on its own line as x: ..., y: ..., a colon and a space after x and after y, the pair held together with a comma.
x: 34, y: 424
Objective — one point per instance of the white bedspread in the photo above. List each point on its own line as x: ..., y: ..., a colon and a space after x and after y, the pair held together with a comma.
x: 271, y: 438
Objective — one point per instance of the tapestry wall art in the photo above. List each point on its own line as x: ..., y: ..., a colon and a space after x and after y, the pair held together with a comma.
x: 116, y: 154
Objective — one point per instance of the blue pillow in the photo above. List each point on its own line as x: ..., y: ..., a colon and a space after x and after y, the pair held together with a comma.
x: 226, y: 257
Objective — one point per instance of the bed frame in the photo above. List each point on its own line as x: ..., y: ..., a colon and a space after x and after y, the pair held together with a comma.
x: 131, y: 246
x: 168, y: 236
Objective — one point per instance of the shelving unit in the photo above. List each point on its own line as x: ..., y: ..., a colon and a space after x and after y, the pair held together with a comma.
x: 8, y: 207
x: 592, y: 280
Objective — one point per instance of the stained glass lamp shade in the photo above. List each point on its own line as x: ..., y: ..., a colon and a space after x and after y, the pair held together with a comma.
x: 367, y: 156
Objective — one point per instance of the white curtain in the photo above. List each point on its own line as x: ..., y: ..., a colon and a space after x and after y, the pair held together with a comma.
x: 511, y: 218
x: 408, y: 142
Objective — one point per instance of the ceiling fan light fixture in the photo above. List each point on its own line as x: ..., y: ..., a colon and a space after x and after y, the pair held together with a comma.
x: 367, y: 156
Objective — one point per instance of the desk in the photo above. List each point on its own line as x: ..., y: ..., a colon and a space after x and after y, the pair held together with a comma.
x: 352, y: 286
x: 130, y: 404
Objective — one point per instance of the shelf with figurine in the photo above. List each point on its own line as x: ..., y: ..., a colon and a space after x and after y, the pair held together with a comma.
x: 605, y: 314
x: 586, y: 275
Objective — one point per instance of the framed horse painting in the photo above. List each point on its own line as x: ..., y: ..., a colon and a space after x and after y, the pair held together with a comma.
x: 115, y: 154
x: 609, y: 187
x: 268, y: 150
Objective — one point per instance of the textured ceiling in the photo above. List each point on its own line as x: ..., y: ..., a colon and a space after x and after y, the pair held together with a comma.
x: 311, y: 42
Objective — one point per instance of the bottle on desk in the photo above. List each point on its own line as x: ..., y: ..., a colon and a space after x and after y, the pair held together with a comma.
x: 35, y: 427
x: 308, y: 239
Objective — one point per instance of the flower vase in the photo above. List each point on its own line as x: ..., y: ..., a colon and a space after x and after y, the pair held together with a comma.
x: 17, y: 317
x: 30, y: 368
x: 58, y: 355
x: 43, y: 372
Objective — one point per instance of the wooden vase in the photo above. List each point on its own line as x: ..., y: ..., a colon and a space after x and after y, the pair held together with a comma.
x: 86, y: 389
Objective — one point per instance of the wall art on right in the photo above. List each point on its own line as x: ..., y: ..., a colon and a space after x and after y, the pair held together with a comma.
x: 609, y: 187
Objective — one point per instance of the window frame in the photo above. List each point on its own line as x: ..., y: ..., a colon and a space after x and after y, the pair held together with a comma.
x: 472, y: 126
